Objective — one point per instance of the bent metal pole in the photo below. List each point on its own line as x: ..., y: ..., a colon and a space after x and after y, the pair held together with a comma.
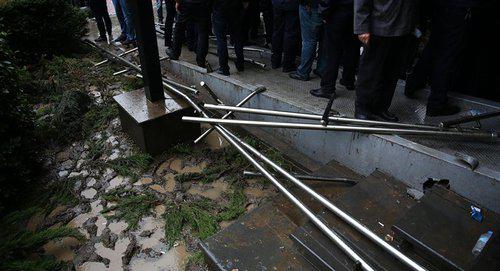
x: 322, y: 226
x: 228, y: 114
x: 346, y: 128
x: 319, y: 117
x: 337, y: 211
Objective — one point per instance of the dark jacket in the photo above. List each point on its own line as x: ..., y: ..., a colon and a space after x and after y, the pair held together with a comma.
x: 286, y: 4
x: 386, y: 18
x: 325, y: 7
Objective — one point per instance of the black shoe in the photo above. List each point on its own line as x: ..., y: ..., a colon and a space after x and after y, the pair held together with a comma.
x: 315, y: 71
x: 128, y: 42
x: 101, y: 39
x: 363, y: 115
x: 385, y: 116
x: 446, y: 110
x: 223, y: 72
x: 239, y: 66
x: 289, y: 69
x: 201, y: 64
x: 170, y: 54
x: 297, y: 76
x: 349, y: 85
x: 120, y: 38
x: 321, y: 93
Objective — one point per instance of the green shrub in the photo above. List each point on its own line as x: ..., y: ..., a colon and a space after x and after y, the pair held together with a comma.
x: 42, y: 27
x: 18, y: 148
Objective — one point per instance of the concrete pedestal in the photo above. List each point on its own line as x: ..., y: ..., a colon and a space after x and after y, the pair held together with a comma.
x: 155, y: 127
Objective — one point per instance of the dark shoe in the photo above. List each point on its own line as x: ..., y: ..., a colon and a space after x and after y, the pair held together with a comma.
x: 297, y: 76
x: 347, y: 84
x: 321, y: 93
x: 128, y: 42
x: 289, y: 69
x: 275, y: 66
x: 201, y: 64
x: 101, y: 39
x: 170, y: 54
x: 223, y: 72
x: 120, y: 38
x: 363, y: 115
x: 239, y: 66
x: 315, y: 71
x: 446, y: 110
x: 386, y: 116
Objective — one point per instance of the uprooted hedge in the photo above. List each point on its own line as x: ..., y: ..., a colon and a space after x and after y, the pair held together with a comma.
x: 37, y: 28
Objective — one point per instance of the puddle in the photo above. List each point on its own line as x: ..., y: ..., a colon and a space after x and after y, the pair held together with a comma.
x: 78, y: 221
x: 178, y: 165
x: 57, y: 211
x: 117, y: 227
x: 114, y: 256
x: 144, y: 181
x: 158, y: 188
x: 255, y: 192
x: 170, y: 182
x: 213, y: 193
x: 62, y: 249
x: 92, y: 266
x: 156, y: 232
x: 173, y: 260
x: 160, y: 210
x: 214, y: 140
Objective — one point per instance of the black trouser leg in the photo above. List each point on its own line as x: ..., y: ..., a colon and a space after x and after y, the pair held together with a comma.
x: 291, y: 38
x: 350, y: 59
x: 235, y: 32
x: 418, y: 76
x: 448, y: 39
x: 267, y: 13
x: 278, y: 31
x: 337, y: 34
x: 202, y: 18
x: 179, y: 30
x: 169, y: 21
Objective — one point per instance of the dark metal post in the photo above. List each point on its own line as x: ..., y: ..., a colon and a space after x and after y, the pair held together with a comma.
x: 148, y: 48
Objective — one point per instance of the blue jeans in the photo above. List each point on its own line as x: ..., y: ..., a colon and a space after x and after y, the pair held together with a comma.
x: 127, y: 23
x: 120, y: 16
x: 310, y: 23
x: 159, y: 9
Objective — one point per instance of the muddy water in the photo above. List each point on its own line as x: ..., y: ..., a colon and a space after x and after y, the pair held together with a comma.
x: 179, y: 166
x: 95, y: 211
x: 214, y: 140
x: 212, y: 191
x: 173, y: 260
x: 113, y: 255
x: 62, y: 249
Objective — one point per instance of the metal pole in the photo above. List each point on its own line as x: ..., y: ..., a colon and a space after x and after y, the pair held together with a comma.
x: 135, y: 67
x: 230, y: 113
x: 144, y: 25
x: 122, y: 54
x: 307, y: 177
x: 361, y: 129
x: 318, y: 117
x: 337, y: 211
x: 210, y: 92
x: 448, y: 123
x: 121, y: 72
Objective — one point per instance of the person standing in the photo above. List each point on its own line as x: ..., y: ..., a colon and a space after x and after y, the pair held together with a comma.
x: 285, y: 34
x: 266, y: 7
x: 384, y: 27
x: 339, y: 43
x: 198, y: 12
x: 101, y: 15
x: 227, y: 15
x: 121, y: 19
x: 126, y: 18
x: 310, y: 25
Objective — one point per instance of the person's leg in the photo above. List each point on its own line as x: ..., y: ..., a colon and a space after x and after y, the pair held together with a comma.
x: 179, y: 32
x: 219, y: 23
x: 202, y: 18
x: 291, y: 40
x: 121, y: 21
x: 129, y: 20
x: 448, y: 43
x: 336, y: 30
x: 267, y: 13
x: 308, y: 30
x: 106, y: 18
x: 279, y: 27
x: 234, y: 22
x: 159, y: 10
x: 370, y: 75
x: 169, y: 21
x: 350, y: 61
x: 418, y: 76
x: 391, y: 70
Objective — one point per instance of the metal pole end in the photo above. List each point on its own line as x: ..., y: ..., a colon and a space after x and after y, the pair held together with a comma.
x: 202, y: 83
x: 324, y: 123
x: 260, y: 89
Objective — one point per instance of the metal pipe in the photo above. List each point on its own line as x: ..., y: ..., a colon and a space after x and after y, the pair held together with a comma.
x: 230, y: 113
x: 210, y: 92
x: 448, y: 123
x: 122, y: 54
x: 361, y: 129
x: 121, y: 72
x: 337, y: 211
x: 307, y: 177
x: 318, y: 117
x: 135, y: 67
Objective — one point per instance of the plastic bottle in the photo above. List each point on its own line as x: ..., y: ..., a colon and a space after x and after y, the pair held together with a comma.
x: 481, y: 242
